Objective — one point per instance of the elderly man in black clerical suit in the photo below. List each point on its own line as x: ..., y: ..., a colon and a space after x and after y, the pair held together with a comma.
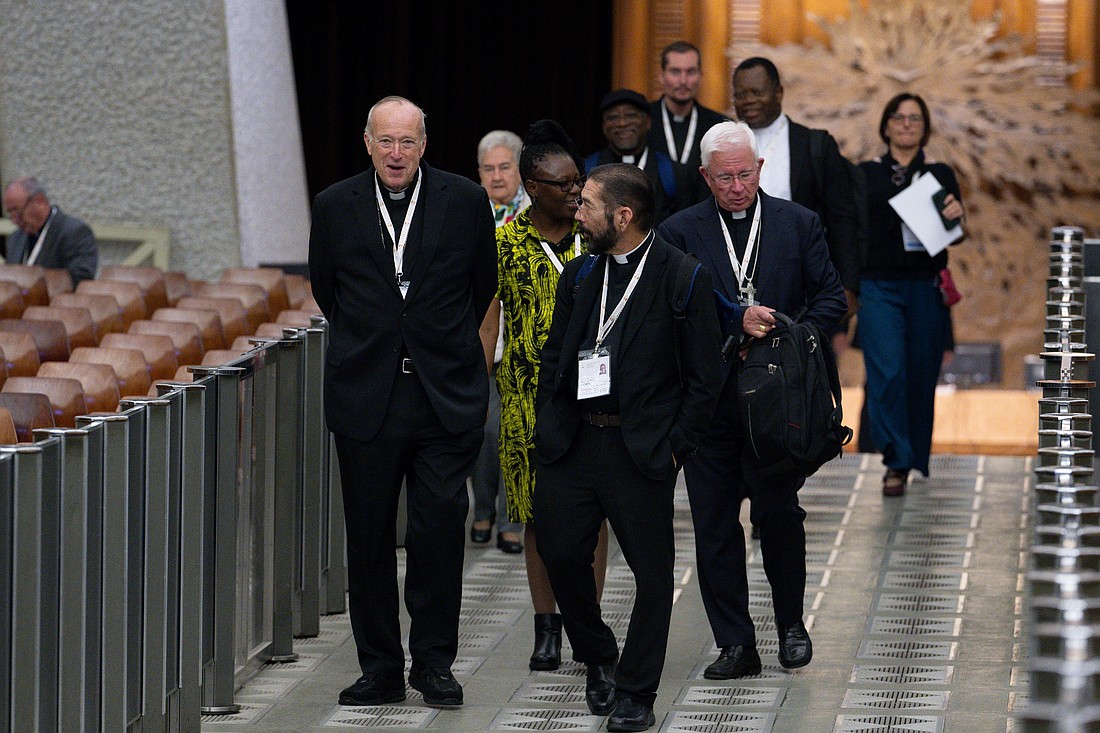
x: 47, y: 236
x: 766, y: 254
x: 403, y: 263
x: 629, y: 376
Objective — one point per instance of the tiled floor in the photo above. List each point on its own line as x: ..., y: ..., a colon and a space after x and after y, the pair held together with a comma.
x: 915, y: 607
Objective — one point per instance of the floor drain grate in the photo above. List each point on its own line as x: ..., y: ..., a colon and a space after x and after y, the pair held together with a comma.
x: 906, y: 538
x: 918, y: 603
x: 928, y: 559
x: 249, y: 713
x: 924, y: 580
x: 907, y: 650
x: 887, y: 724
x: 924, y: 518
x: 489, y: 617
x: 495, y: 594
x: 732, y: 696
x: 681, y: 722
x: 915, y: 626
x: 896, y: 699
x: 563, y: 720
x: 469, y: 641
x: 901, y: 674
x: 546, y: 693
x: 380, y: 717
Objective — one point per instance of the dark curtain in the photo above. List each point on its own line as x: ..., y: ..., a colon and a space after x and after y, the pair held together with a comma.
x: 472, y: 67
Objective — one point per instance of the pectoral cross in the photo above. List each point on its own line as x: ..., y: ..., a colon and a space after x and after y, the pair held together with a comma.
x: 748, y: 294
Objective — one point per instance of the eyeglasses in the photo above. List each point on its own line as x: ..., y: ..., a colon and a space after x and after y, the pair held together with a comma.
x: 565, y: 186
x: 725, y: 179
x: 911, y: 119
x: 406, y: 143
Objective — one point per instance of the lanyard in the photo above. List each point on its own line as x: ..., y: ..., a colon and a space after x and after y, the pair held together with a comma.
x: 33, y: 257
x: 688, y: 141
x: 740, y: 269
x: 605, y: 326
x: 398, y: 242
x: 553, y: 256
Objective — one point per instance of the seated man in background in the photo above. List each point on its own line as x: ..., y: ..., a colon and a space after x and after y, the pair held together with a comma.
x: 47, y: 236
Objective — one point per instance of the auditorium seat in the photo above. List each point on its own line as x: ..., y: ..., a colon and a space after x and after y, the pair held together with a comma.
x: 20, y: 354
x: 78, y: 322
x: 11, y: 299
x: 58, y: 281
x: 159, y: 351
x: 242, y: 344
x: 271, y: 279
x: 297, y: 290
x: 130, y: 297
x: 295, y: 318
x: 186, y: 339
x: 232, y: 312
x: 104, y: 309
x: 129, y: 364
x: 50, y: 337
x: 151, y: 280
x: 207, y: 320
x: 221, y: 357
x: 31, y: 280
x: 309, y: 305
x: 28, y: 413
x: 99, y: 382
x: 271, y: 330
x: 252, y: 297
x: 176, y: 286
x: 66, y: 396
x: 8, y: 436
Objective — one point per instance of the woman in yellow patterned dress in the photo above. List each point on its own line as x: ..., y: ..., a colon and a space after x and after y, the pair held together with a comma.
x: 532, y: 250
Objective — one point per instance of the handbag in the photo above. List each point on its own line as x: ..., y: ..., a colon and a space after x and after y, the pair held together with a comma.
x: 950, y: 293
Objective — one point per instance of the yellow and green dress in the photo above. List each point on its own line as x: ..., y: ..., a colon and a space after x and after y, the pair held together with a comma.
x: 527, y: 284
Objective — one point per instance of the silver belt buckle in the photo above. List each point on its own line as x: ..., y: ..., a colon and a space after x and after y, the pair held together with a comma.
x: 406, y: 366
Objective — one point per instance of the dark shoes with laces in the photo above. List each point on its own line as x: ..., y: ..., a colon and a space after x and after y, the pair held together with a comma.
x: 438, y: 686
x: 733, y: 663
x: 795, y: 649
x: 375, y: 688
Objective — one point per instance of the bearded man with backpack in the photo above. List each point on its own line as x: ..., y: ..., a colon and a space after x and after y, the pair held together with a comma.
x: 765, y: 255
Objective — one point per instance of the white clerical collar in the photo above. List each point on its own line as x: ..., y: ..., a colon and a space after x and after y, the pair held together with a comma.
x: 677, y: 118
x: 398, y: 195
x: 629, y: 159
x: 625, y: 257
x: 738, y: 214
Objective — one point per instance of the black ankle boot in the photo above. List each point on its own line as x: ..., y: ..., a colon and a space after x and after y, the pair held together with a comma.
x: 547, y: 654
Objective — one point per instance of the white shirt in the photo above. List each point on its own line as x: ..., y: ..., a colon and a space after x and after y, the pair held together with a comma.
x: 774, y: 145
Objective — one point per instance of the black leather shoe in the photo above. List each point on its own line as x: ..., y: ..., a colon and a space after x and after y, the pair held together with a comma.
x: 375, y: 688
x: 481, y: 536
x: 512, y: 547
x: 733, y: 663
x: 599, y: 688
x: 438, y: 686
x: 795, y: 649
x: 629, y: 714
x: 547, y: 654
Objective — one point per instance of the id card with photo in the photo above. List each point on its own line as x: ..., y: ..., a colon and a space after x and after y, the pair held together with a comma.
x: 909, y: 239
x: 593, y: 373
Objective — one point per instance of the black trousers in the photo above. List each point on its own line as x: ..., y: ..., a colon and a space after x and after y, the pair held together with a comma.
x: 718, y: 480
x: 413, y: 446
x: 594, y: 480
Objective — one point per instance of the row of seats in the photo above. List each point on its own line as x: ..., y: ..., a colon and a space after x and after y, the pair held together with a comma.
x: 65, y: 353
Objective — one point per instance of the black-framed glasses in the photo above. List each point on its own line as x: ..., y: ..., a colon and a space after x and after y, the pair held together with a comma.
x: 565, y: 186
x: 911, y: 119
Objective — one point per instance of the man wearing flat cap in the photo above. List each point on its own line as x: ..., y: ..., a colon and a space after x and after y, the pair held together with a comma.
x: 626, y: 122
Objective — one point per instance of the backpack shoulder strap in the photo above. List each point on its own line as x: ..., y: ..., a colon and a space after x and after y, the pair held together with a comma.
x: 686, y: 273
x: 589, y: 263
x: 667, y: 175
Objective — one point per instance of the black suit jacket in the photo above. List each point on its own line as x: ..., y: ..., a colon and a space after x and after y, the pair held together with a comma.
x: 452, y: 270
x: 690, y: 186
x: 70, y: 245
x: 664, y: 410
x: 793, y: 270
x: 823, y: 186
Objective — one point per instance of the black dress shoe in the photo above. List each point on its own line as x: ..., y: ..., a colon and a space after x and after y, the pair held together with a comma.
x: 481, y: 536
x: 733, y: 663
x: 630, y: 715
x: 438, y: 686
x: 547, y: 654
x: 795, y: 649
x: 375, y: 688
x: 599, y: 688
x: 512, y: 547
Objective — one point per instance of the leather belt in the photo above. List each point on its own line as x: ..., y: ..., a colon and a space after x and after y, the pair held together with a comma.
x: 407, y: 366
x: 602, y: 419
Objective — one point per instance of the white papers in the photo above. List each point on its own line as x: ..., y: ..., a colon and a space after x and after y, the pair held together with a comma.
x: 916, y: 208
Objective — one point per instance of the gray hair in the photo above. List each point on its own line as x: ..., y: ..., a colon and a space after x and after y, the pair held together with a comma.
x: 29, y: 185
x: 727, y: 135
x: 499, y: 139
x: 393, y: 98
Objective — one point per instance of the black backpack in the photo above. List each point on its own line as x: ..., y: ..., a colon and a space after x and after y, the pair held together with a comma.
x: 789, y: 401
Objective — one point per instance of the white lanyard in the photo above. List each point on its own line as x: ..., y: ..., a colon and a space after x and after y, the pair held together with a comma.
x: 398, y: 242
x: 33, y: 257
x: 740, y: 269
x: 641, y: 161
x: 553, y: 256
x: 606, y: 326
x: 688, y: 141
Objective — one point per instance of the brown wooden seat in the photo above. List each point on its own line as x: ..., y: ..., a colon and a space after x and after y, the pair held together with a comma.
x: 176, y: 286
x: 252, y: 297
x: 186, y: 339
x: 297, y: 290
x: 20, y: 354
x: 295, y: 318
x: 271, y: 330
x: 58, y: 281
x: 242, y: 344
x: 11, y: 299
x: 129, y: 364
x: 159, y: 351
x: 66, y: 396
x: 129, y: 295
x: 8, y: 436
x: 151, y: 280
x: 209, y: 323
x: 78, y: 322
x: 220, y: 357
x: 31, y: 280
x: 309, y: 305
x: 50, y: 337
x: 104, y: 309
x: 271, y: 279
x: 28, y: 413
x: 99, y: 382
x: 232, y: 312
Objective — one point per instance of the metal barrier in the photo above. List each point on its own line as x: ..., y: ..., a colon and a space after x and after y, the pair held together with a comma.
x: 149, y: 555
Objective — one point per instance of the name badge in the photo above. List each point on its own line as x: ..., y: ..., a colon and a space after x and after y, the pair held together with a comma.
x: 912, y: 244
x: 593, y: 374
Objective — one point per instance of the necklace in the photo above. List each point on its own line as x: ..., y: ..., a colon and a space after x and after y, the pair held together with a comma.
x: 898, y: 176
